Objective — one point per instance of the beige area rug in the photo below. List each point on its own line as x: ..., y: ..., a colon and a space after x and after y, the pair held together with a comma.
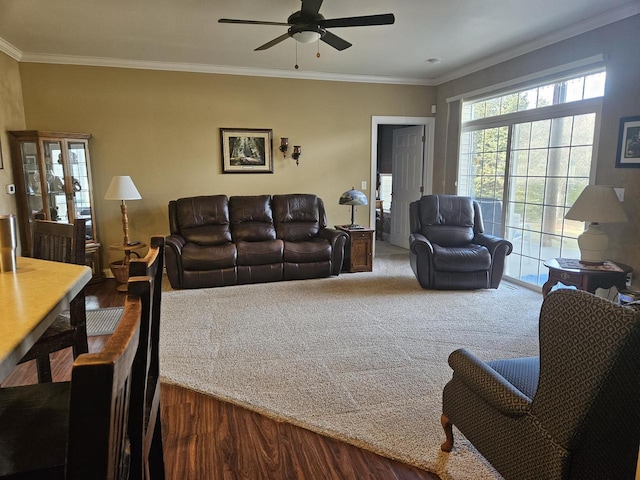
x: 360, y: 357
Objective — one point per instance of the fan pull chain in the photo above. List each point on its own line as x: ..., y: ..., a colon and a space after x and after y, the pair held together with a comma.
x: 318, y: 54
x: 297, y: 56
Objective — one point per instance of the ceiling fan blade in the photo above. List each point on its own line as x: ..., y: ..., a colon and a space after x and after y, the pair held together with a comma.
x: 310, y: 7
x: 273, y: 42
x: 251, y: 22
x: 363, y: 21
x: 335, y: 41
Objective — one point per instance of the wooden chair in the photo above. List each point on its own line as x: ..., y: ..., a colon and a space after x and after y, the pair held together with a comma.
x: 78, y: 430
x: 60, y: 242
x: 146, y: 443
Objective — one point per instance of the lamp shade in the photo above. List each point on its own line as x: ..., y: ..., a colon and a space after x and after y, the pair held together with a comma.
x: 353, y: 197
x: 122, y: 188
x: 597, y: 204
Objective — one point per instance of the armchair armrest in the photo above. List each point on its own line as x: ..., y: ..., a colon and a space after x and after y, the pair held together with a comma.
x: 488, y: 384
x: 417, y: 242
x: 176, y: 242
x: 493, y: 243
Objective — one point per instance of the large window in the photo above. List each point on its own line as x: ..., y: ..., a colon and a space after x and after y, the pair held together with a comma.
x: 526, y: 156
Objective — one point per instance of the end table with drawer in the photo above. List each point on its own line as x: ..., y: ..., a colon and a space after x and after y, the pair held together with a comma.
x: 585, y: 277
x: 358, y: 252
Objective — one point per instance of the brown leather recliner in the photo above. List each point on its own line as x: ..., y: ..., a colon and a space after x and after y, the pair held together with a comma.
x: 216, y: 241
x: 448, y: 249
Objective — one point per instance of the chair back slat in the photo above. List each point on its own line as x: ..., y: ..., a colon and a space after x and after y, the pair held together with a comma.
x: 100, y: 408
x: 59, y: 242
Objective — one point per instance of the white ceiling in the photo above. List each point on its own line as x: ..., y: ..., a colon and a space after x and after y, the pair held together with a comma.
x: 465, y: 35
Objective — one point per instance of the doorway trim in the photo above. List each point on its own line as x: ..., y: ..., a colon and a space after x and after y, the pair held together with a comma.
x: 429, y: 124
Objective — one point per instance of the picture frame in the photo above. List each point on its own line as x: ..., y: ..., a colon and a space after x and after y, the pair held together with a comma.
x: 629, y: 143
x: 247, y: 150
x: 1, y: 162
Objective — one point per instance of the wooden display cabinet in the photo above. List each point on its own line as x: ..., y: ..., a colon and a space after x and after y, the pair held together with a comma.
x: 52, y: 174
x: 358, y: 252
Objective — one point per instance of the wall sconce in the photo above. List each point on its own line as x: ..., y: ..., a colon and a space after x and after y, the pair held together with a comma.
x: 297, y: 151
x: 284, y: 146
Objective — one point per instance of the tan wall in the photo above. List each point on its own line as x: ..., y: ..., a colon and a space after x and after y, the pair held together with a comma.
x: 622, y: 99
x: 11, y: 118
x: 162, y: 129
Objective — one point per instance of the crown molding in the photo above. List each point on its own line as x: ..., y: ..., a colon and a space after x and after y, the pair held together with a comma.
x: 558, y: 36
x: 214, y: 69
x: 10, y: 50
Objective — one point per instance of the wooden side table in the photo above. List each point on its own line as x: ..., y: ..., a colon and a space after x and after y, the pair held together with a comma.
x: 358, y: 252
x: 585, y: 277
x: 120, y: 268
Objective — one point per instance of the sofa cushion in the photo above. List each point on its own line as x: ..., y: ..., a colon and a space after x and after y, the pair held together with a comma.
x: 468, y: 259
x: 208, y: 257
x: 204, y: 220
x: 251, y: 218
x: 314, y: 250
x: 297, y: 217
x: 260, y: 253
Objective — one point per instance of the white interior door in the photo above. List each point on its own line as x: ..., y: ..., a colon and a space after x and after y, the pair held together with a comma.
x: 408, y: 175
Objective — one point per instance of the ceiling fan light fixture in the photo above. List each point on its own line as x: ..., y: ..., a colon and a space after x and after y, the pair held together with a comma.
x: 306, y: 33
x: 306, y: 37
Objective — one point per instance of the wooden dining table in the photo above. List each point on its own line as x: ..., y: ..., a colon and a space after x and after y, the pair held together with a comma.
x: 31, y: 298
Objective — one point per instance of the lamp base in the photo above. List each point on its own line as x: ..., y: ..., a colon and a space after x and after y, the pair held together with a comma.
x: 593, y: 243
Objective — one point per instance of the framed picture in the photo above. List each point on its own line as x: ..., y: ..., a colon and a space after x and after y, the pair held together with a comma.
x: 246, y: 150
x: 629, y: 143
x: 1, y: 164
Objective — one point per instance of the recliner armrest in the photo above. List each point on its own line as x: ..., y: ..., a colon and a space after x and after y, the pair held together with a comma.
x: 176, y: 242
x: 417, y: 241
x: 488, y: 384
x: 331, y: 234
x: 337, y: 240
x: 493, y: 243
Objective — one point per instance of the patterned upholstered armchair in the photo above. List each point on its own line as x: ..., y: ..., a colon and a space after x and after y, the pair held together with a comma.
x: 571, y: 413
x: 448, y: 247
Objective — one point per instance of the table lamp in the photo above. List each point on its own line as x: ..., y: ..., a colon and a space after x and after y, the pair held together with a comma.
x: 122, y: 188
x: 596, y: 204
x: 353, y: 197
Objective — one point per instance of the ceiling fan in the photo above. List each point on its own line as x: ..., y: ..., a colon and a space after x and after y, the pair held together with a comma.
x: 308, y: 25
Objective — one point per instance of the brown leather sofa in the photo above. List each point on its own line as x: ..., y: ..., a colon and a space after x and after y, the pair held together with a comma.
x: 217, y: 241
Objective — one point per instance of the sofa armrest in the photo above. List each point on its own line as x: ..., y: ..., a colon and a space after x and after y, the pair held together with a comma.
x: 488, y: 384
x: 173, y: 259
x: 331, y: 234
x: 337, y: 239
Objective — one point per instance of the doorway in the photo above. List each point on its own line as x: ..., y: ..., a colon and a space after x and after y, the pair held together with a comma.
x: 418, y: 172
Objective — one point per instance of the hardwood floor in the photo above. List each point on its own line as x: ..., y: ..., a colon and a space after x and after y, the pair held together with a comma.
x: 207, y: 439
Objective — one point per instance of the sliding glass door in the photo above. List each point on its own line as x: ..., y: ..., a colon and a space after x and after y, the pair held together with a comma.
x: 526, y: 167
